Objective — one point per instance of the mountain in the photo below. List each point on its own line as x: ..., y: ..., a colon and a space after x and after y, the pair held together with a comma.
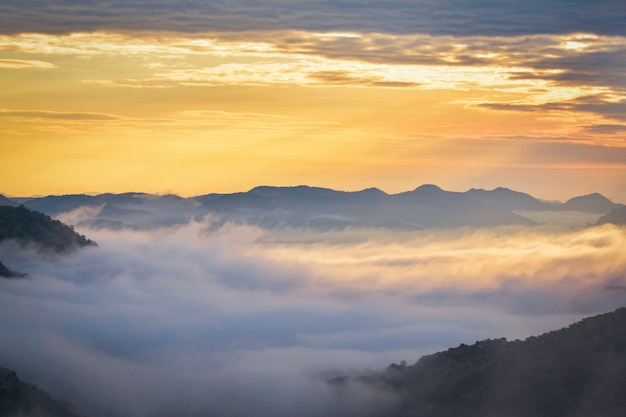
x: 28, y: 226
x: 616, y: 216
x: 576, y: 371
x: 508, y: 199
x: 317, y: 208
x: 20, y: 399
x: 321, y: 208
x: 31, y: 227
x: 118, y: 211
x: 4, y: 201
x: 592, y: 203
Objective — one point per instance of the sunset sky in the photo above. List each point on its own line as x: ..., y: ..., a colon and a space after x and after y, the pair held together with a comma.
x: 196, y: 97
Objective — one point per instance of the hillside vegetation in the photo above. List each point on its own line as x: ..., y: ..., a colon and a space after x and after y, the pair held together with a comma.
x: 31, y: 227
x: 578, y: 371
x: 20, y: 399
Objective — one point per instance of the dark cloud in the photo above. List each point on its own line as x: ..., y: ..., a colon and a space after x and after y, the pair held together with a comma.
x: 598, y: 104
x: 608, y: 129
x: 493, y: 17
x: 597, y: 68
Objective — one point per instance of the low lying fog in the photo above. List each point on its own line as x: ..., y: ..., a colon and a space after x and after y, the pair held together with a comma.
x: 240, y: 321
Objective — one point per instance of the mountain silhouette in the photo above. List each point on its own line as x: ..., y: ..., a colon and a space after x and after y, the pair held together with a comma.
x: 616, y: 216
x: 577, y: 371
x: 318, y: 208
x: 29, y: 227
x: 592, y: 203
x: 20, y: 399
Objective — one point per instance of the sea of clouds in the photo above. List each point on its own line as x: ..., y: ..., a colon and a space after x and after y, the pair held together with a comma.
x: 235, y: 320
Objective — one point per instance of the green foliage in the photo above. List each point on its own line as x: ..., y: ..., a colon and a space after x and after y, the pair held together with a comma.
x: 27, y: 226
x: 577, y: 371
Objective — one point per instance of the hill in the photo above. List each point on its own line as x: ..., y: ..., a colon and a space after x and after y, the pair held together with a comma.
x: 592, y: 203
x: 319, y: 208
x: 577, y: 371
x: 4, y: 201
x: 616, y: 216
x: 20, y: 399
x: 31, y: 227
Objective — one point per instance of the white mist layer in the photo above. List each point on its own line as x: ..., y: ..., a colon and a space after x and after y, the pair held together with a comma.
x: 241, y: 321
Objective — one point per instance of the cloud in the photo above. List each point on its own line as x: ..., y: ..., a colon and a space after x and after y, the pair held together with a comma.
x: 600, y: 104
x: 608, y: 129
x: 347, y: 78
x: 24, y: 64
x: 398, y: 16
x: 57, y: 115
x: 237, y: 320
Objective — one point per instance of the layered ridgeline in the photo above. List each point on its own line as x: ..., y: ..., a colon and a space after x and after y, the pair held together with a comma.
x: 28, y: 227
x: 578, y: 371
x: 326, y: 209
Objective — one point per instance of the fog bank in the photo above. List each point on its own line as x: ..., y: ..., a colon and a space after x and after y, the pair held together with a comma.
x: 243, y: 321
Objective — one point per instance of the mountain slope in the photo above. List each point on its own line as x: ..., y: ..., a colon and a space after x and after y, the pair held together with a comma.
x: 31, y: 227
x: 592, y: 203
x: 577, y: 371
x: 19, y: 399
x: 616, y: 216
x: 317, y: 208
x: 7, y: 201
x: 27, y: 226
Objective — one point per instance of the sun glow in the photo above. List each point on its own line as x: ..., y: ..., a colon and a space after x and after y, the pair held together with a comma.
x: 301, y: 100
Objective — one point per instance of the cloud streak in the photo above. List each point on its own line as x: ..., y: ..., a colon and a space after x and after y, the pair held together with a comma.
x: 56, y: 115
x: 24, y: 63
x: 173, y: 320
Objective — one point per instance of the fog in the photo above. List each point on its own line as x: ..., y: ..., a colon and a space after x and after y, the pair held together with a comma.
x: 234, y: 320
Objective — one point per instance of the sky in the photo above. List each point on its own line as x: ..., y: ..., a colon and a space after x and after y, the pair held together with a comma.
x: 196, y: 97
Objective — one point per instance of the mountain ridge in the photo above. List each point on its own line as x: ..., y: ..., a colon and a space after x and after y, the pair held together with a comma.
x: 575, y: 371
x: 32, y: 227
x: 19, y: 398
x: 321, y: 208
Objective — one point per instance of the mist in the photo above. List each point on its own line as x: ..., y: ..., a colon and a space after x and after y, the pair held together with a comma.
x: 232, y: 320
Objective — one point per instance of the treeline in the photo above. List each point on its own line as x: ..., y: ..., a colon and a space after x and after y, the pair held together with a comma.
x: 27, y: 226
x: 578, y: 371
x: 20, y: 399
x: 31, y: 227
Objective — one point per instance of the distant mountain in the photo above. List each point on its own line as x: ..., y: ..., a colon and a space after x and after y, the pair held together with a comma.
x: 577, y: 371
x: 20, y: 399
x: 317, y: 208
x: 616, y: 216
x: 31, y: 227
x: 4, y: 201
x: 592, y: 203
x: 321, y: 208
x: 118, y: 211
x: 509, y: 199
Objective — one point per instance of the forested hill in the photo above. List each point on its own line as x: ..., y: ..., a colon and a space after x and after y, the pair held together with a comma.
x: 18, y: 398
x: 28, y: 226
x: 31, y: 227
x: 578, y: 371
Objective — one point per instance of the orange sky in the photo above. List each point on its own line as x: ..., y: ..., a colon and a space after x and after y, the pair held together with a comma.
x: 115, y: 111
